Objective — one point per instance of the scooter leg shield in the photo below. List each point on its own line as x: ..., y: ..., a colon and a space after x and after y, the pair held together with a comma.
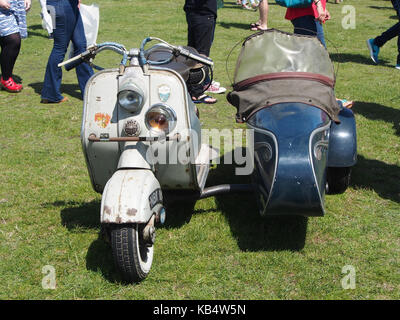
x: 131, y: 196
x: 290, y: 157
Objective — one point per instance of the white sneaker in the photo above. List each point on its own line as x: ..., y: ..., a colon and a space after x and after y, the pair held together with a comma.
x: 214, y: 88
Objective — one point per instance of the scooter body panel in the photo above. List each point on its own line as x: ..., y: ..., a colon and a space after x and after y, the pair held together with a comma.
x: 130, y: 196
x: 173, y: 162
x: 100, y: 117
x: 290, y: 156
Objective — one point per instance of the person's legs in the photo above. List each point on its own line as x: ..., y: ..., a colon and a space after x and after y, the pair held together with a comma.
x: 262, y: 23
x: 392, y: 32
x: 83, y: 71
x: 305, y: 25
x: 389, y: 34
x: 10, y: 46
x: 263, y: 8
x: 200, y: 36
x: 320, y: 33
x: 200, y: 32
x: 65, y: 25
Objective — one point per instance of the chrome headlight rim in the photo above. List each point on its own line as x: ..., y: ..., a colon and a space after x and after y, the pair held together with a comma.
x: 131, y: 106
x: 166, y: 110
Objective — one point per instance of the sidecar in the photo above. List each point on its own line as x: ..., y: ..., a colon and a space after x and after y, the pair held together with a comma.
x: 304, y: 140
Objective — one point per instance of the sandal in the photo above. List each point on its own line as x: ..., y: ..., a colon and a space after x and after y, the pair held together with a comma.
x: 258, y: 28
x: 346, y: 103
x: 204, y: 99
x: 254, y: 25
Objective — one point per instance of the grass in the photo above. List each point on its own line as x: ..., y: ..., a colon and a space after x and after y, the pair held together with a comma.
x: 217, y: 248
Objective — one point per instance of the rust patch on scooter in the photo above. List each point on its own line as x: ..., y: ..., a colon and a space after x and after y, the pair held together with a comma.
x: 107, y: 210
x: 131, y: 212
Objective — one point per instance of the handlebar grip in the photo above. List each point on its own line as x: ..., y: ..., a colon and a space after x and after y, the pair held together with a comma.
x: 194, y: 56
x: 75, y: 61
x: 74, y: 64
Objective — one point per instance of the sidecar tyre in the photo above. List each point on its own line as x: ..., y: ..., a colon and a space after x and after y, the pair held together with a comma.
x: 132, y: 255
x: 337, y: 179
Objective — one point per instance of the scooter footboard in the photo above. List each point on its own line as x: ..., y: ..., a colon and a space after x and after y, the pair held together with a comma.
x: 290, y: 156
x: 131, y: 196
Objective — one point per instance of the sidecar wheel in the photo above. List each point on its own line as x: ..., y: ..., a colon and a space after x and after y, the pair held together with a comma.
x: 337, y: 179
x: 132, y: 255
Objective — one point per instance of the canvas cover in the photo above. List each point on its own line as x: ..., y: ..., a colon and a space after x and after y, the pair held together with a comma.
x: 278, y: 67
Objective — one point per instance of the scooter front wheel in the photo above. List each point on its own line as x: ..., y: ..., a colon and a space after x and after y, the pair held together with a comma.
x: 132, y: 254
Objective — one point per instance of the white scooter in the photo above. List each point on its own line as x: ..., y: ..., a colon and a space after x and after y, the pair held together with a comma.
x: 140, y: 135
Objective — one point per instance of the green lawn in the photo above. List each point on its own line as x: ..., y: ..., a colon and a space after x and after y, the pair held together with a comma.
x: 219, y: 248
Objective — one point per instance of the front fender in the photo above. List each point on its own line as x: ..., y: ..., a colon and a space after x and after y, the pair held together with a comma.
x: 130, y: 196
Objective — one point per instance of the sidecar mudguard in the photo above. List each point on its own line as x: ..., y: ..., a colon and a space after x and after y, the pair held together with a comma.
x: 343, y: 141
x: 130, y: 196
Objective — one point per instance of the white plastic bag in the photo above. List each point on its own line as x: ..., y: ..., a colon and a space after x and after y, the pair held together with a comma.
x: 90, y: 18
x: 47, y: 21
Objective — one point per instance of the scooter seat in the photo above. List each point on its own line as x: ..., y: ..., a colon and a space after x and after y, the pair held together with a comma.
x: 180, y: 64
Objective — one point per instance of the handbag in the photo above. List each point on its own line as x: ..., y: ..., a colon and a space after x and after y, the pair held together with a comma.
x: 294, y: 3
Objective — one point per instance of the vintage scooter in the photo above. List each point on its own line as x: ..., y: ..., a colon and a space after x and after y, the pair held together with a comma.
x: 140, y: 135
x: 304, y: 140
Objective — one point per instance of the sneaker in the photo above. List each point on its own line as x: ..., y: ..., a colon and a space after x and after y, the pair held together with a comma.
x: 397, y: 66
x: 10, y: 85
x: 215, y: 88
x: 373, y: 50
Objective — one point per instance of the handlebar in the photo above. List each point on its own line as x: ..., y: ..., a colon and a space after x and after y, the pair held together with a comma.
x: 120, y: 49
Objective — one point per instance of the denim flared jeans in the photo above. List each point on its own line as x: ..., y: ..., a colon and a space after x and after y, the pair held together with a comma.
x: 68, y: 27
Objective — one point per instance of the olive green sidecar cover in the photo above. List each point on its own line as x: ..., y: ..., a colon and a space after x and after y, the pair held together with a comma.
x: 278, y: 67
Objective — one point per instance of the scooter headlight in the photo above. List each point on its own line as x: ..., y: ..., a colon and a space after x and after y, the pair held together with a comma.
x: 131, y: 97
x: 160, y: 118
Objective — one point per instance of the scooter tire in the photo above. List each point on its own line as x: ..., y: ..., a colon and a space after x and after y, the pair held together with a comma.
x: 132, y: 256
x: 337, y: 179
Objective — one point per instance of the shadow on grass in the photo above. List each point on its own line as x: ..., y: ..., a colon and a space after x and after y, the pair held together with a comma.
x: 99, y: 259
x: 375, y: 111
x: 383, y: 178
x: 236, y: 25
x: 380, y: 8
x: 71, y: 89
x: 77, y: 216
x: 356, y: 58
x: 252, y: 231
x: 31, y: 32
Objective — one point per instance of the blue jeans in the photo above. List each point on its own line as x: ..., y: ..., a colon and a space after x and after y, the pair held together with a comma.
x: 307, y: 25
x: 392, y: 32
x: 69, y: 27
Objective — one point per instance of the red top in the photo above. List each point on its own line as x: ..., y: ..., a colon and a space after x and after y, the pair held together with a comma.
x: 293, y: 13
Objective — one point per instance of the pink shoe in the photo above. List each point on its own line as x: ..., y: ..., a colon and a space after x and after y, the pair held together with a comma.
x: 10, y: 85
